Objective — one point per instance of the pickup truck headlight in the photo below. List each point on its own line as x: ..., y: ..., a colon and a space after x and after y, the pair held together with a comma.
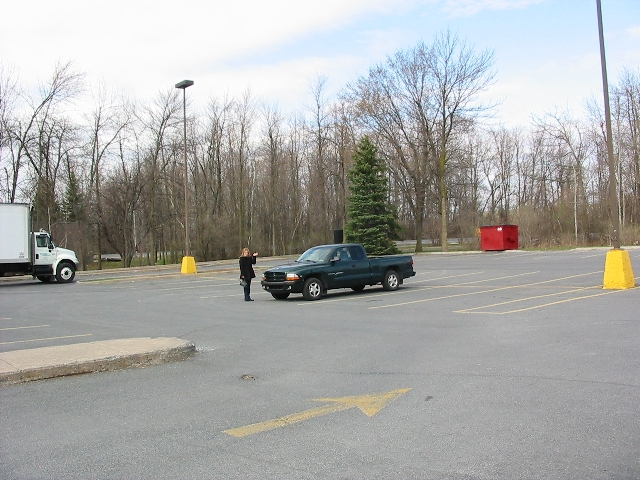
x: 292, y: 277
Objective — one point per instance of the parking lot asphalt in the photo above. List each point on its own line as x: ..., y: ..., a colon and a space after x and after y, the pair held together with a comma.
x: 484, y: 365
x: 18, y: 366
x: 61, y: 360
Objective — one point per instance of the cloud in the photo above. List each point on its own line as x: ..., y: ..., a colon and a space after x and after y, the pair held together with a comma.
x: 287, y: 84
x: 144, y: 46
x: 221, y: 29
x: 138, y: 38
x: 633, y: 32
x: 277, y: 47
x: 467, y: 8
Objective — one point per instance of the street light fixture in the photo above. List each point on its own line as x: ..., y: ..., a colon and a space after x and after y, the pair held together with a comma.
x: 188, y: 262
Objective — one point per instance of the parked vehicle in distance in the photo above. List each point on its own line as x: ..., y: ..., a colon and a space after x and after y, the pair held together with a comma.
x: 328, y: 267
x: 23, y: 252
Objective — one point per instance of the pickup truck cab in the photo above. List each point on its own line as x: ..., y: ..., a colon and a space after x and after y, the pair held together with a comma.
x: 343, y: 265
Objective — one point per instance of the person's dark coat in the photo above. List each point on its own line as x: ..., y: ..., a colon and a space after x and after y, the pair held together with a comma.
x: 246, y: 267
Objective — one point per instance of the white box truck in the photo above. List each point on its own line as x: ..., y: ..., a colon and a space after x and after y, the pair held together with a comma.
x: 23, y: 252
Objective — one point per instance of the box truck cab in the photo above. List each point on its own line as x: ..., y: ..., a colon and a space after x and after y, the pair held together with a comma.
x: 23, y: 252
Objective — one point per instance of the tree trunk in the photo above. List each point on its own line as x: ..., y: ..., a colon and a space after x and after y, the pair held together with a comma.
x: 444, y: 201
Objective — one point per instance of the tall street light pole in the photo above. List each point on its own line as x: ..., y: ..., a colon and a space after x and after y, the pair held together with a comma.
x: 613, y: 189
x: 618, y: 272
x: 188, y: 262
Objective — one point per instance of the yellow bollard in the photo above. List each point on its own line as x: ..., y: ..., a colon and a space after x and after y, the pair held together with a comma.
x: 618, y: 273
x: 188, y: 265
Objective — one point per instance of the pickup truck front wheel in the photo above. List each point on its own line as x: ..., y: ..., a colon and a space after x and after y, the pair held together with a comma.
x: 312, y: 289
x: 391, y: 281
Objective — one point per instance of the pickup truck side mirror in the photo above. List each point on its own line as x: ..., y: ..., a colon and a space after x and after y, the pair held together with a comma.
x: 335, y: 259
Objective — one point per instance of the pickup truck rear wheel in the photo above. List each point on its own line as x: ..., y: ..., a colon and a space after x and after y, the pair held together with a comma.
x: 391, y: 281
x: 65, y: 273
x: 312, y: 289
x: 280, y: 296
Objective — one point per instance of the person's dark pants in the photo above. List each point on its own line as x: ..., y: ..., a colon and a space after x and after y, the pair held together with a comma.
x: 247, y: 290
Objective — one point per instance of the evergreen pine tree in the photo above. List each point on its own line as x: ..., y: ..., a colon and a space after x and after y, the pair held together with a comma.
x: 72, y: 204
x: 371, y: 220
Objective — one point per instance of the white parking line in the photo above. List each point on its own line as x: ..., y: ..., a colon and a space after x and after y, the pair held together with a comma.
x: 22, y: 328
x: 44, y: 339
x: 560, y: 301
x: 471, y: 310
x: 483, y: 291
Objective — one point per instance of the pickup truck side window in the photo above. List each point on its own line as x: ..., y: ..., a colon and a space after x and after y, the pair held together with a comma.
x: 357, y: 253
x: 343, y: 254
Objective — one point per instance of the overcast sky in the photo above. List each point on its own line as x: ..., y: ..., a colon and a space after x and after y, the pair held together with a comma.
x: 546, y: 51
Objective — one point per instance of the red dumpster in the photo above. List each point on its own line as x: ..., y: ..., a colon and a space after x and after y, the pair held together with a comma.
x: 499, y: 237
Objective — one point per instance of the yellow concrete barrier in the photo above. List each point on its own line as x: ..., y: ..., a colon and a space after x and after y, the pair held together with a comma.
x: 188, y: 265
x: 618, y: 273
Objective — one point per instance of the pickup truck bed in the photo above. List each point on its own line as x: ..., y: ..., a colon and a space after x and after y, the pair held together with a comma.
x: 327, y: 267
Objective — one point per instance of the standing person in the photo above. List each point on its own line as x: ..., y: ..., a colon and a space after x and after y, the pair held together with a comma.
x: 247, y: 260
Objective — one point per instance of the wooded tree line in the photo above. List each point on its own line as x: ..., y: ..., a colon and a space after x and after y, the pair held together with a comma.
x: 111, y: 178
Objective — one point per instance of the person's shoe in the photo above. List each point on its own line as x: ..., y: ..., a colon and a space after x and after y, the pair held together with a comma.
x: 248, y: 299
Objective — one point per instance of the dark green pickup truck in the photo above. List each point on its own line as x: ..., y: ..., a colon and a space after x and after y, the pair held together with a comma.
x: 344, y: 265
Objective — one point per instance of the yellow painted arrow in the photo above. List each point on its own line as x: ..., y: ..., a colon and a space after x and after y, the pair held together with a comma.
x: 368, y: 404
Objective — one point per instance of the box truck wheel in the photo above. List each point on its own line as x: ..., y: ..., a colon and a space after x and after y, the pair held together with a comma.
x: 65, y: 273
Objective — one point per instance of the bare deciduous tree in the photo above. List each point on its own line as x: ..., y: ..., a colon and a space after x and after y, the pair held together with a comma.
x: 161, y: 207
x: 105, y: 124
x: 417, y: 103
x: 35, y: 135
x: 278, y: 181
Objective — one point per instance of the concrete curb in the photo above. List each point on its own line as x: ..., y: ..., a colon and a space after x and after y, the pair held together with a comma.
x: 48, y: 362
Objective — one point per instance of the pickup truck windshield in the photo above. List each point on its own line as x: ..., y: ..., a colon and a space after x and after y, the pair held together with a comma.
x: 316, y: 255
